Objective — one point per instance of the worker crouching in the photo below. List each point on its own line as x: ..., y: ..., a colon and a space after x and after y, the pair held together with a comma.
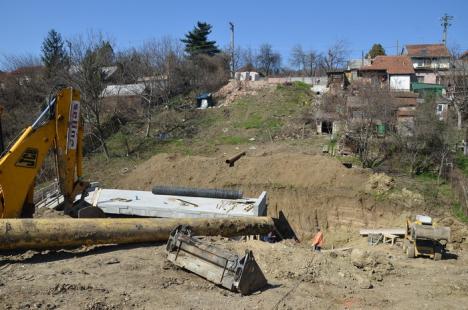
x: 317, y: 242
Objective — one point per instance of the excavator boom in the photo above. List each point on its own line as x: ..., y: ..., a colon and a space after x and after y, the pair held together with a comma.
x: 58, y: 128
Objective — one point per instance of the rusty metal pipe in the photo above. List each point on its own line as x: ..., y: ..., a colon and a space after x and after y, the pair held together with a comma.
x: 65, y: 233
x: 232, y: 160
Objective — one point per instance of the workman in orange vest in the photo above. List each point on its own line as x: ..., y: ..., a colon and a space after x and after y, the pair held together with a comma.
x: 317, y: 242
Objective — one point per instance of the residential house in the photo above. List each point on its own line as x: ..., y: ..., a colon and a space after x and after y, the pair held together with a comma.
x: 396, y: 72
x: 353, y: 67
x: 464, y: 56
x: 428, y: 60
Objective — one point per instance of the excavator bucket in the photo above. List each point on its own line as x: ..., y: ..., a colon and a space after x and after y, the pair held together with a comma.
x: 238, y: 274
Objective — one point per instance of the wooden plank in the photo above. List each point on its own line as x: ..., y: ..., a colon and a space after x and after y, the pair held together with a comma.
x: 391, y: 231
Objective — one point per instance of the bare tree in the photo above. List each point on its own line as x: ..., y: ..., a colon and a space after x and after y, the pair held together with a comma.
x: 89, y: 55
x: 430, y: 141
x: 14, y: 62
x: 268, y: 60
x: 336, y: 56
x: 457, y: 88
x: 305, y: 61
x: 249, y: 57
x: 22, y: 92
x: 374, y: 106
x: 298, y: 58
x: 153, y: 68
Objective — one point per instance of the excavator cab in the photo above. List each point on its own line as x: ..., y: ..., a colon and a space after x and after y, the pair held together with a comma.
x: 58, y: 128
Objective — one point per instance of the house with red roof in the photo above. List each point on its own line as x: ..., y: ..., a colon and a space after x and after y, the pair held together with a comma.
x: 428, y: 60
x: 396, y: 72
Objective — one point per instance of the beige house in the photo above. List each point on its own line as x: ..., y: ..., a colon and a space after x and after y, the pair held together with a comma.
x: 428, y: 60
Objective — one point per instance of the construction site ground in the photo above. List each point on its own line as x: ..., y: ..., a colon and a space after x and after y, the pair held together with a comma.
x: 307, y: 188
x: 138, y: 277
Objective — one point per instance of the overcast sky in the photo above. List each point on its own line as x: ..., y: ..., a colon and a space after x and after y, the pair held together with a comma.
x: 314, y: 24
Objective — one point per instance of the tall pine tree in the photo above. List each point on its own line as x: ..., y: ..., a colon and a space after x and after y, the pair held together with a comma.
x: 196, y: 41
x: 376, y: 50
x: 54, y: 55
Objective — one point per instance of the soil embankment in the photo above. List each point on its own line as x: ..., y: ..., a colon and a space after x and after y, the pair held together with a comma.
x: 308, y: 189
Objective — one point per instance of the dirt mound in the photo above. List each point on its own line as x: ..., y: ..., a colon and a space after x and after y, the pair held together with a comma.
x: 308, y: 189
x: 237, y: 89
x: 379, y: 183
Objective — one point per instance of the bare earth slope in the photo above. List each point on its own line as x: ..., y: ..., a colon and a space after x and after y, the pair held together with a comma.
x: 302, y: 186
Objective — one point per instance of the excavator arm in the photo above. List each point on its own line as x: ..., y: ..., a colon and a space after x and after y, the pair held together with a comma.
x: 58, y: 128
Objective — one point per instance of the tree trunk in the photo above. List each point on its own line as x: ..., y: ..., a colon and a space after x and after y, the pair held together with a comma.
x: 148, y: 126
x: 465, y: 143
x: 459, y: 116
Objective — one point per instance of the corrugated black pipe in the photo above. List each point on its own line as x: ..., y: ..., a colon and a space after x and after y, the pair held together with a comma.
x: 197, y: 192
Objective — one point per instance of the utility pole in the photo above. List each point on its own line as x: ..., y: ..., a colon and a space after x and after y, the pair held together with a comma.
x: 397, y: 48
x: 231, y: 26
x: 445, y: 23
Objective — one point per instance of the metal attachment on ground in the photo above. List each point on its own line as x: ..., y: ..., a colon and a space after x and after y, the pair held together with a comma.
x: 238, y: 274
x: 232, y: 160
x: 197, y: 192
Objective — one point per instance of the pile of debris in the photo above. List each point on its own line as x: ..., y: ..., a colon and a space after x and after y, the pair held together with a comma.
x: 237, y: 89
x: 379, y: 183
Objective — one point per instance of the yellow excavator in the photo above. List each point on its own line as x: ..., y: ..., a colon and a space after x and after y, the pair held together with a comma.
x: 58, y: 128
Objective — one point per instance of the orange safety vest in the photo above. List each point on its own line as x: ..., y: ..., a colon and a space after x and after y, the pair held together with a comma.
x: 318, y: 239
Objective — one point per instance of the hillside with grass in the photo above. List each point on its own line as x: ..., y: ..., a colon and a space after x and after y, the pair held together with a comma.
x: 276, y: 114
x: 274, y: 123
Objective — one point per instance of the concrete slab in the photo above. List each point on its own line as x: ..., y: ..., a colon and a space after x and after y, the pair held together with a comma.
x: 145, y: 203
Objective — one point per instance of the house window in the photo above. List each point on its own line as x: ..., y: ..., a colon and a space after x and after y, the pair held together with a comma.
x: 420, y: 79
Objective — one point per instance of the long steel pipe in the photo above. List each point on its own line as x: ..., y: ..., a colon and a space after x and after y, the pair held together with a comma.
x: 63, y: 233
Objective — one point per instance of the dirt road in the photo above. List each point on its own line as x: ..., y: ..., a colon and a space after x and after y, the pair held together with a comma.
x: 138, y: 277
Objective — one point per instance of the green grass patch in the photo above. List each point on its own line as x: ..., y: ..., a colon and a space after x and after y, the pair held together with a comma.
x: 457, y: 210
x: 462, y: 163
x: 233, y: 140
x: 253, y: 121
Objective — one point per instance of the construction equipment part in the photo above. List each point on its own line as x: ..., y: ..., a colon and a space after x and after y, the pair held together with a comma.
x: 239, y: 274
x: 232, y: 160
x: 197, y: 192
x: 422, y: 238
x: 58, y: 128
x: 147, y: 204
x: 392, y: 231
x: 67, y: 232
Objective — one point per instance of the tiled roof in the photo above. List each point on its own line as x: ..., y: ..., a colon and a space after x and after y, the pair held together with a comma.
x: 391, y: 64
x: 464, y: 55
x: 427, y: 50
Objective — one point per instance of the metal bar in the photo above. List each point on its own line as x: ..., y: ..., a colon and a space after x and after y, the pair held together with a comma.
x: 232, y: 160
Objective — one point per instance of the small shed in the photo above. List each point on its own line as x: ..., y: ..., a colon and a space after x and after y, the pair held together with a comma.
x: 205, y: 101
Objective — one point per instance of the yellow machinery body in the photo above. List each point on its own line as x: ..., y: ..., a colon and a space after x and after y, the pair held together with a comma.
x: 425, y: 239
x: 58, y: 128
